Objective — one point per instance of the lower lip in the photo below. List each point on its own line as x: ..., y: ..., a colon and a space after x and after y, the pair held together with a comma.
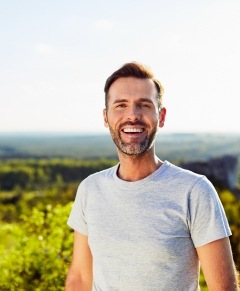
x: 133, y: 134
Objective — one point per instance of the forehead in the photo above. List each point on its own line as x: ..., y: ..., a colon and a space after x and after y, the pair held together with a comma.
x: 131, y: 86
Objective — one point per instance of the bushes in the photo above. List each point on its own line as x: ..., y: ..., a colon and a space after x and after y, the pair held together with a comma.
x: 231, y: 206
x: 40, y: 251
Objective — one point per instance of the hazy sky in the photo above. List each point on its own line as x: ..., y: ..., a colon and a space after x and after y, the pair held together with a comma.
x: 56, y: 55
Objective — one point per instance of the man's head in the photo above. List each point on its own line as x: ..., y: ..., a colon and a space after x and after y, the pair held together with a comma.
x: 138, y: 71
x: 134, y: 109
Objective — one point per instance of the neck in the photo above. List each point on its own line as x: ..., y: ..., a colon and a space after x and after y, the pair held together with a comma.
x: 134, y: 168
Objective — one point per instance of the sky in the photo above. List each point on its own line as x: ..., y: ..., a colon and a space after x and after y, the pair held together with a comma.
x: 55, y: 56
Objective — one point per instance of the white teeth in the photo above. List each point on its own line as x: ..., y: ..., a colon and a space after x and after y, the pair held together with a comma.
x: 133, y: 130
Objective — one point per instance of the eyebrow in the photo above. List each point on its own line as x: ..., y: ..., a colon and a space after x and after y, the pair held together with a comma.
x: 120, y: 101
x: 146, y: 100
x: 139, y: 100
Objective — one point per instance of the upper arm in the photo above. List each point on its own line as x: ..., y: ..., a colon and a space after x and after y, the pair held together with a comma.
x: 80, y: 271
x: 217, y: 265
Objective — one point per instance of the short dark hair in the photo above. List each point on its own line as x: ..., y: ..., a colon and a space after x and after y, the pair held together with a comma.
x: 136, y: 70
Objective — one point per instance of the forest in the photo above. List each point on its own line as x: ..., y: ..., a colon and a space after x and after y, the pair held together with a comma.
x: 39, y: 177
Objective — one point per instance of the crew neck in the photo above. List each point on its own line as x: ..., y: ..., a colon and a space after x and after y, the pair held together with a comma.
x: 143, y: 181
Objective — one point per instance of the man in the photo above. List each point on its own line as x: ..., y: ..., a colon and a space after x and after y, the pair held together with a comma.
x: 145, y: 224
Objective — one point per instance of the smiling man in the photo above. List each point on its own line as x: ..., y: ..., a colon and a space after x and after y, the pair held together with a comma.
x: 132, y: 115
x: 146, y: 224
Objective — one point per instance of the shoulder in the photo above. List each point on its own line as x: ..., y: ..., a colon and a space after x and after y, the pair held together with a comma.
x: 94, y: 183
x: 180, y: 175
x: 176, y: 170
x: 196, y: 186
x: 99, y: 177
x: 107, y: 173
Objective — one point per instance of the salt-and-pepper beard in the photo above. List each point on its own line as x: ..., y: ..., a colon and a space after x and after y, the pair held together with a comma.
x: 133, y: 149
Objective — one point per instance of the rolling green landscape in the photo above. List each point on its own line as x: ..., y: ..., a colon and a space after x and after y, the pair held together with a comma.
x: 180, y: 146
x: 39, y: 176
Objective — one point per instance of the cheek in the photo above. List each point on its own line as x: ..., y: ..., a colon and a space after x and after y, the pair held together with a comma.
x: 154, y: 117
x: 113, y: 118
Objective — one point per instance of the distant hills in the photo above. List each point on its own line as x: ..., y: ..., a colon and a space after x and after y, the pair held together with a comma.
x: 175, y: 147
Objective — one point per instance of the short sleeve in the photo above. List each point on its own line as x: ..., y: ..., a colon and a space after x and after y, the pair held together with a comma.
x: 77, y: 217
x: 207, y: 218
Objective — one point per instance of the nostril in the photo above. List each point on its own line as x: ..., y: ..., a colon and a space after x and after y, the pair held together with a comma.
x: 136, y: 118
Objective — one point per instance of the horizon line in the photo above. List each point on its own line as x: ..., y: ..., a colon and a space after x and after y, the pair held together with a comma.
x: 107, y: 133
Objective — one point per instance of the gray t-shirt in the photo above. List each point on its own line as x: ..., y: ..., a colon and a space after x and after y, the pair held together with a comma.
x: 143, y: 234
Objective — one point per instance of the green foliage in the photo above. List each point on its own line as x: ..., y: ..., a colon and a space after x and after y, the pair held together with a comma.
x: 31, y: 174
x: 25, y: 183
x: 15, y: 203
x: 231, y: 206
x: 40, y: 253
x: 202, y: 282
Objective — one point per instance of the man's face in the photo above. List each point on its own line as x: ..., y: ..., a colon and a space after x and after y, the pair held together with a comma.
x: 133, y: 116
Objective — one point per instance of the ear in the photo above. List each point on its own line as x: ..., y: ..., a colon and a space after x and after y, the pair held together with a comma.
x: 162, y: 116
x: 105, y: 117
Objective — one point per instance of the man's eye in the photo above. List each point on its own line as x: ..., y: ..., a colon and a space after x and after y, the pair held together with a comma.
x: 144, y: 105
x: 121, y: 106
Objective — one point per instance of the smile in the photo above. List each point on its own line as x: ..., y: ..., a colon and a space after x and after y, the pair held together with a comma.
x: 133, y: 130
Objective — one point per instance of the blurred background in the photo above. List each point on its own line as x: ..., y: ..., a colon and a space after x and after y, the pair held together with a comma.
x: 54, y: 59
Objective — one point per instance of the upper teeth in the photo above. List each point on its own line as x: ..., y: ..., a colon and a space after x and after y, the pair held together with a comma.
x: 133, y: 130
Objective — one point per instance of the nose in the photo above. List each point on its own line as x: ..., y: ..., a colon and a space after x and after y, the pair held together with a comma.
x: 133, y: 113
